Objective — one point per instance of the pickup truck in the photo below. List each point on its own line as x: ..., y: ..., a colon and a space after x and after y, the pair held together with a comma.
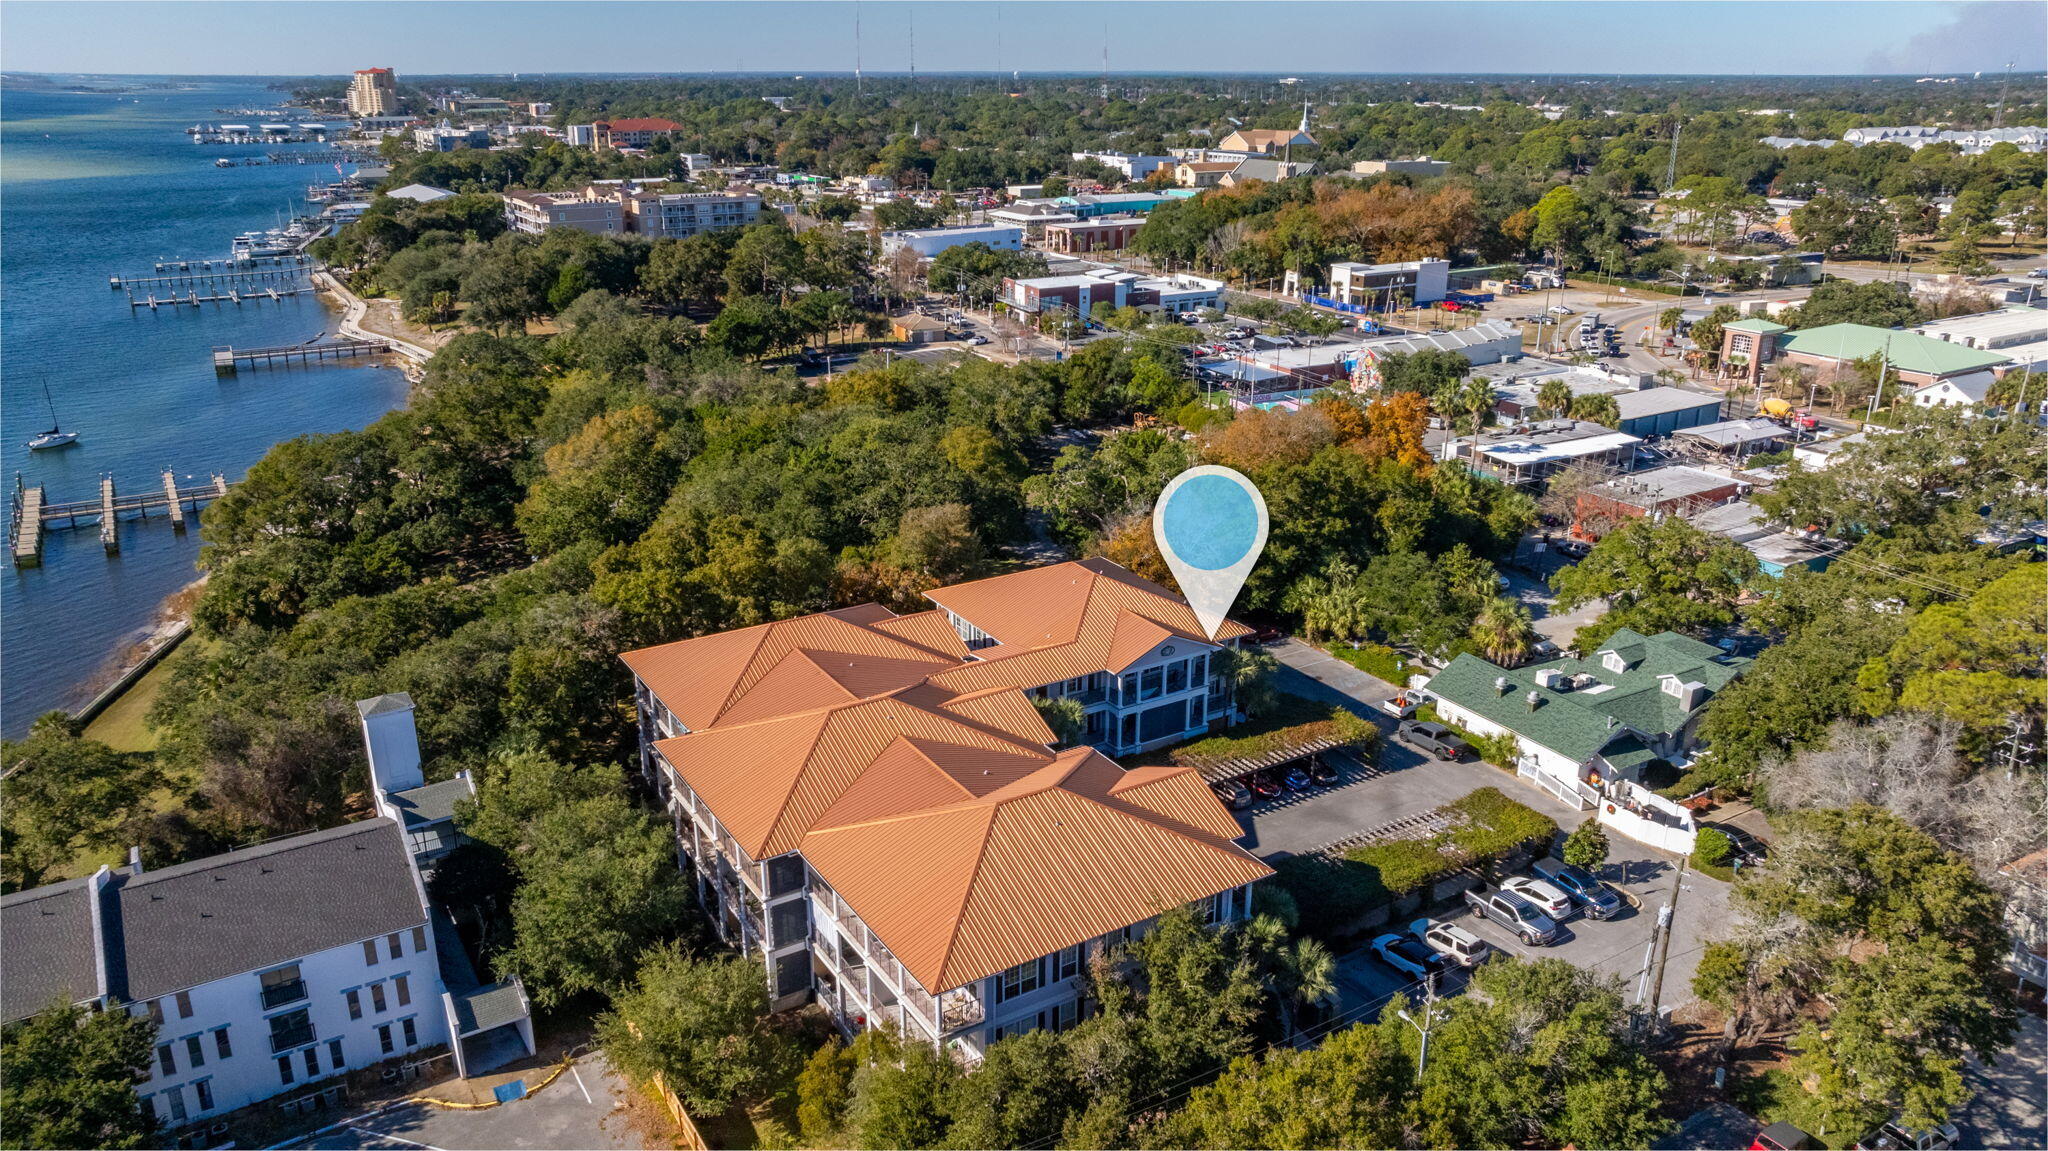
x: 1514, y: 913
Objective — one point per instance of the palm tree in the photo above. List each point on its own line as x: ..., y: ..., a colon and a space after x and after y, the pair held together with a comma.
x: 1473, y: 398
x: 1670, y: 319
x: 1600, y: 410
x: 1297, y: 974
x: 1555, y: 396
x: 1502, y: 631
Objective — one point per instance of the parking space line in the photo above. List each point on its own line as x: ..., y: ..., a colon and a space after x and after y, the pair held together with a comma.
x: 580, y: 1086
x: 393, y: 1138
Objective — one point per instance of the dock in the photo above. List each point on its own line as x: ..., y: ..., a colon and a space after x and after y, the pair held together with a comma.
x: 32, y: 513
x: 227, y: 360
x: 231, y: 296
x: 211, y: 274
x: 228, y: 263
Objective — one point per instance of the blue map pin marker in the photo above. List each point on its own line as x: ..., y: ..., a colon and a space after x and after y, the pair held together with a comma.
x: 1210, y: 524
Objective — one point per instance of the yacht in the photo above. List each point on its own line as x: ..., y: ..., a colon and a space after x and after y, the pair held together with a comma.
x: 56, y: 437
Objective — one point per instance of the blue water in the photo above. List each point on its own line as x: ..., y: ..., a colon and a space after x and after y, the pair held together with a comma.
x: 90, y: 185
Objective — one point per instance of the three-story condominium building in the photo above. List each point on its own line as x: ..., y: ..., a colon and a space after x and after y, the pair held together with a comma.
x: 874, y: 809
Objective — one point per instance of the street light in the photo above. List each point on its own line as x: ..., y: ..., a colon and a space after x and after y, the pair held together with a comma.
x: 1423, y: 1028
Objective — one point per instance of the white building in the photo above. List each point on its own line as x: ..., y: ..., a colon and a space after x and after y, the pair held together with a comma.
x: 676, y: 215
x: 929, y: 242
x: 2018, y: 332
x: 1423, y: 281
x: 443, y: 138
x: 276, y: 969
x: 580, y: 135
x: 1129, y: 164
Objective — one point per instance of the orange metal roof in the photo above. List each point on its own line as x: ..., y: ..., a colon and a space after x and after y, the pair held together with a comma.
x: 918, y: 779
x: 969, y: 889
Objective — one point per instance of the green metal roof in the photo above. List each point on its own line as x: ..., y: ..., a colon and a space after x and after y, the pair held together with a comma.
x: 1907, y: 351
x: 1579, y: 723
x: 432, y: 803
x: 1759, y: 326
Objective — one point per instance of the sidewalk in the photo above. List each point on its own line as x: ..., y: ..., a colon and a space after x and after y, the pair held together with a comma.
x: 362, y: 322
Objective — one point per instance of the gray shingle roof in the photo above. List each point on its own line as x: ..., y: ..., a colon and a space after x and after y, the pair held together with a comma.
x: 430, y: 804
x: 49, y: 952
x: 251, y: 909
x: 489, y: 1007
x: 1576, y: 723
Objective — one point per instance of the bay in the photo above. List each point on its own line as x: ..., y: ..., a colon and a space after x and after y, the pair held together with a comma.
x: 105, y: 182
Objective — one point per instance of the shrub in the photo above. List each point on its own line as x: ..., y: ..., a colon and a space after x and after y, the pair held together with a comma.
x: 1404, y: 865
x: 1495, y: 825
x: 1377, y: 660
x: 1330, y: 893
x: 1586, y: 846
x: 1292, y: 721
x: 1710, y: 849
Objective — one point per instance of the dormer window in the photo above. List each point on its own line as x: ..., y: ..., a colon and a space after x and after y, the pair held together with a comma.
x: 1612, y: 661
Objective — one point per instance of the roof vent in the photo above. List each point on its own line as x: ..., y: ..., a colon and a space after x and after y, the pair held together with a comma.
x: 1535, y: 700
x: 1500, y: 685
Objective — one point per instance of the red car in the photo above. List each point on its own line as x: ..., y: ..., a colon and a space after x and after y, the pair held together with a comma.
x: 1265, y: 786
x: 1784, y: 1137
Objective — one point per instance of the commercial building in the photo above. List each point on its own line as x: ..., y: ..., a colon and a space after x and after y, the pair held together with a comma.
x: 586, y: 210
x: 929, y: 242
x: 1129, y: 165
x: 1032, y: 216
x: 874, y: 810
x: 1422, y: 281
x: 1747, y: 346
x: 1777, y: 550
x: 373, y: 92
x: 580, y: 135
x: 540, y: 109
x: 443, y: 138
x: 633, y: 132
x: 1586, y: 728
x: 1655, y: 412
x: 1089, y: 205
x: 1420, y: 166
x: 1532, y: 452
x: 1732, y: 441
x: 912, y: 328
x: 1265, y: 169
x: 1118, y: 289
x: 273, y: 971
x: 1107, y: 234
x: 1911, y: 359
x: 1674, y: 490
x: 1486, y: 342
x: 2018, y: 333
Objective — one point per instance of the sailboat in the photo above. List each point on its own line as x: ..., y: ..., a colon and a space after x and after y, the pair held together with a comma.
x: 56, y: 437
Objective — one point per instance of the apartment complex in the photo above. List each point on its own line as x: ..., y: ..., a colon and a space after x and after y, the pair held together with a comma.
x: 444, y: 137
x: 619, y: 207
x: 274, y: 970
x: 373, y: 92
x: 873, y: 808
x: 634, y: 132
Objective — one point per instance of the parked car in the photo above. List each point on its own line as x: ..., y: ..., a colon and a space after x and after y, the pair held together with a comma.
x: 1404, y: 954
x: 1892, y: 1137
x: 1784, y: 1137
x: 1599, y: 900
x: 1514, y: 913
x: 1741, y: 844
x: 1265, y: 786
x: 1456, y: 945
x: 1548, y: 898
x: 1561, y: 309
x: 1434, y: 738
x: 1297, y: 778
x: 1323, y: 771
x: 1234, y: 795
x: 977, y: 339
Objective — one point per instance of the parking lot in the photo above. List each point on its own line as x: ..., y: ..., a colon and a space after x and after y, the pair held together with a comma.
x: 581, y: 1109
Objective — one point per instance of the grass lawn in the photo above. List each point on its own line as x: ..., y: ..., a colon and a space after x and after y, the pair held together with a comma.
x: 1376, y: 660
x: 124, y: 725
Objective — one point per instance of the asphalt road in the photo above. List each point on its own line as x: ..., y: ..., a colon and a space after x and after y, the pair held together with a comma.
x: 582, y: 1109
x: 2006, y: 1107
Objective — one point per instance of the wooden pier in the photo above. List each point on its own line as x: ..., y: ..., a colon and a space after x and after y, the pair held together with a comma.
x: 213, y: 275
x: 228, y: 360
x: 231, y: 296
x: 227, y: 263
x: 33, y: 513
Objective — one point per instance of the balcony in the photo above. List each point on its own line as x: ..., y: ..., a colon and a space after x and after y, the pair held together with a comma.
x: 279, y: 994
x: 285, y: 1038
x: 1090, y: 698
x: 960, y: 1007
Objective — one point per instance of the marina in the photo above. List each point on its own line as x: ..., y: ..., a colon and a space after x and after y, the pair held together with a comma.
x: 31, y: 514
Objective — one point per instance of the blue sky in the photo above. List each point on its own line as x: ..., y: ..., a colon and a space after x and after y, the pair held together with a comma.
x: 1535, y: 37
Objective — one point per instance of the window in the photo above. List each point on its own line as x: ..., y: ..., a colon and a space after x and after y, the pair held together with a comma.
x: 149, y: 1109
x: 1129, y: 687
x: 334, y: 1058
x: 312, y: 1057
x: 177, y: 1097
x: 282, y: 986
x: 184, y: 1005
x: 156, y: 1011
x: 1070, y: 962
x: 384, y: 1038
x: 355, y: 1003
x: 377, y: 998
x: 370, y: 952
x: 1022, y: 979
x: 1160, y: 722
x: 789, y: 922
x: 221, y: 1046
x: 1149, y: 683
x: 419, y: 940
x: 195, y: 1052
x: 404, y: 992
x: 284, y: 1070
x: 412, y: 1036
x: 204, y: 1089
x: 1074, y: 686
x: 1130, y: 735
x: 1177, y: 676
x: 292, y: 1029
x: 396, y: 945
x: 164, y: 1059
x: 1199, y: 668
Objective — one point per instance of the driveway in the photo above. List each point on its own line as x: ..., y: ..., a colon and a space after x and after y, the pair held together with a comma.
x: 581, y: 1109
x: 2005, y: 1109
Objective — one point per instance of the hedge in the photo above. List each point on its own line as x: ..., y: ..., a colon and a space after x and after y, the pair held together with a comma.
x: 1376, y: 660
x: 1293, y: 722
x: 1645, y: 285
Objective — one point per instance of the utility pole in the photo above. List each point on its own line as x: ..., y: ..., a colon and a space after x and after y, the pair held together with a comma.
x: 1998, y: 120
x: 1428, y: 1022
